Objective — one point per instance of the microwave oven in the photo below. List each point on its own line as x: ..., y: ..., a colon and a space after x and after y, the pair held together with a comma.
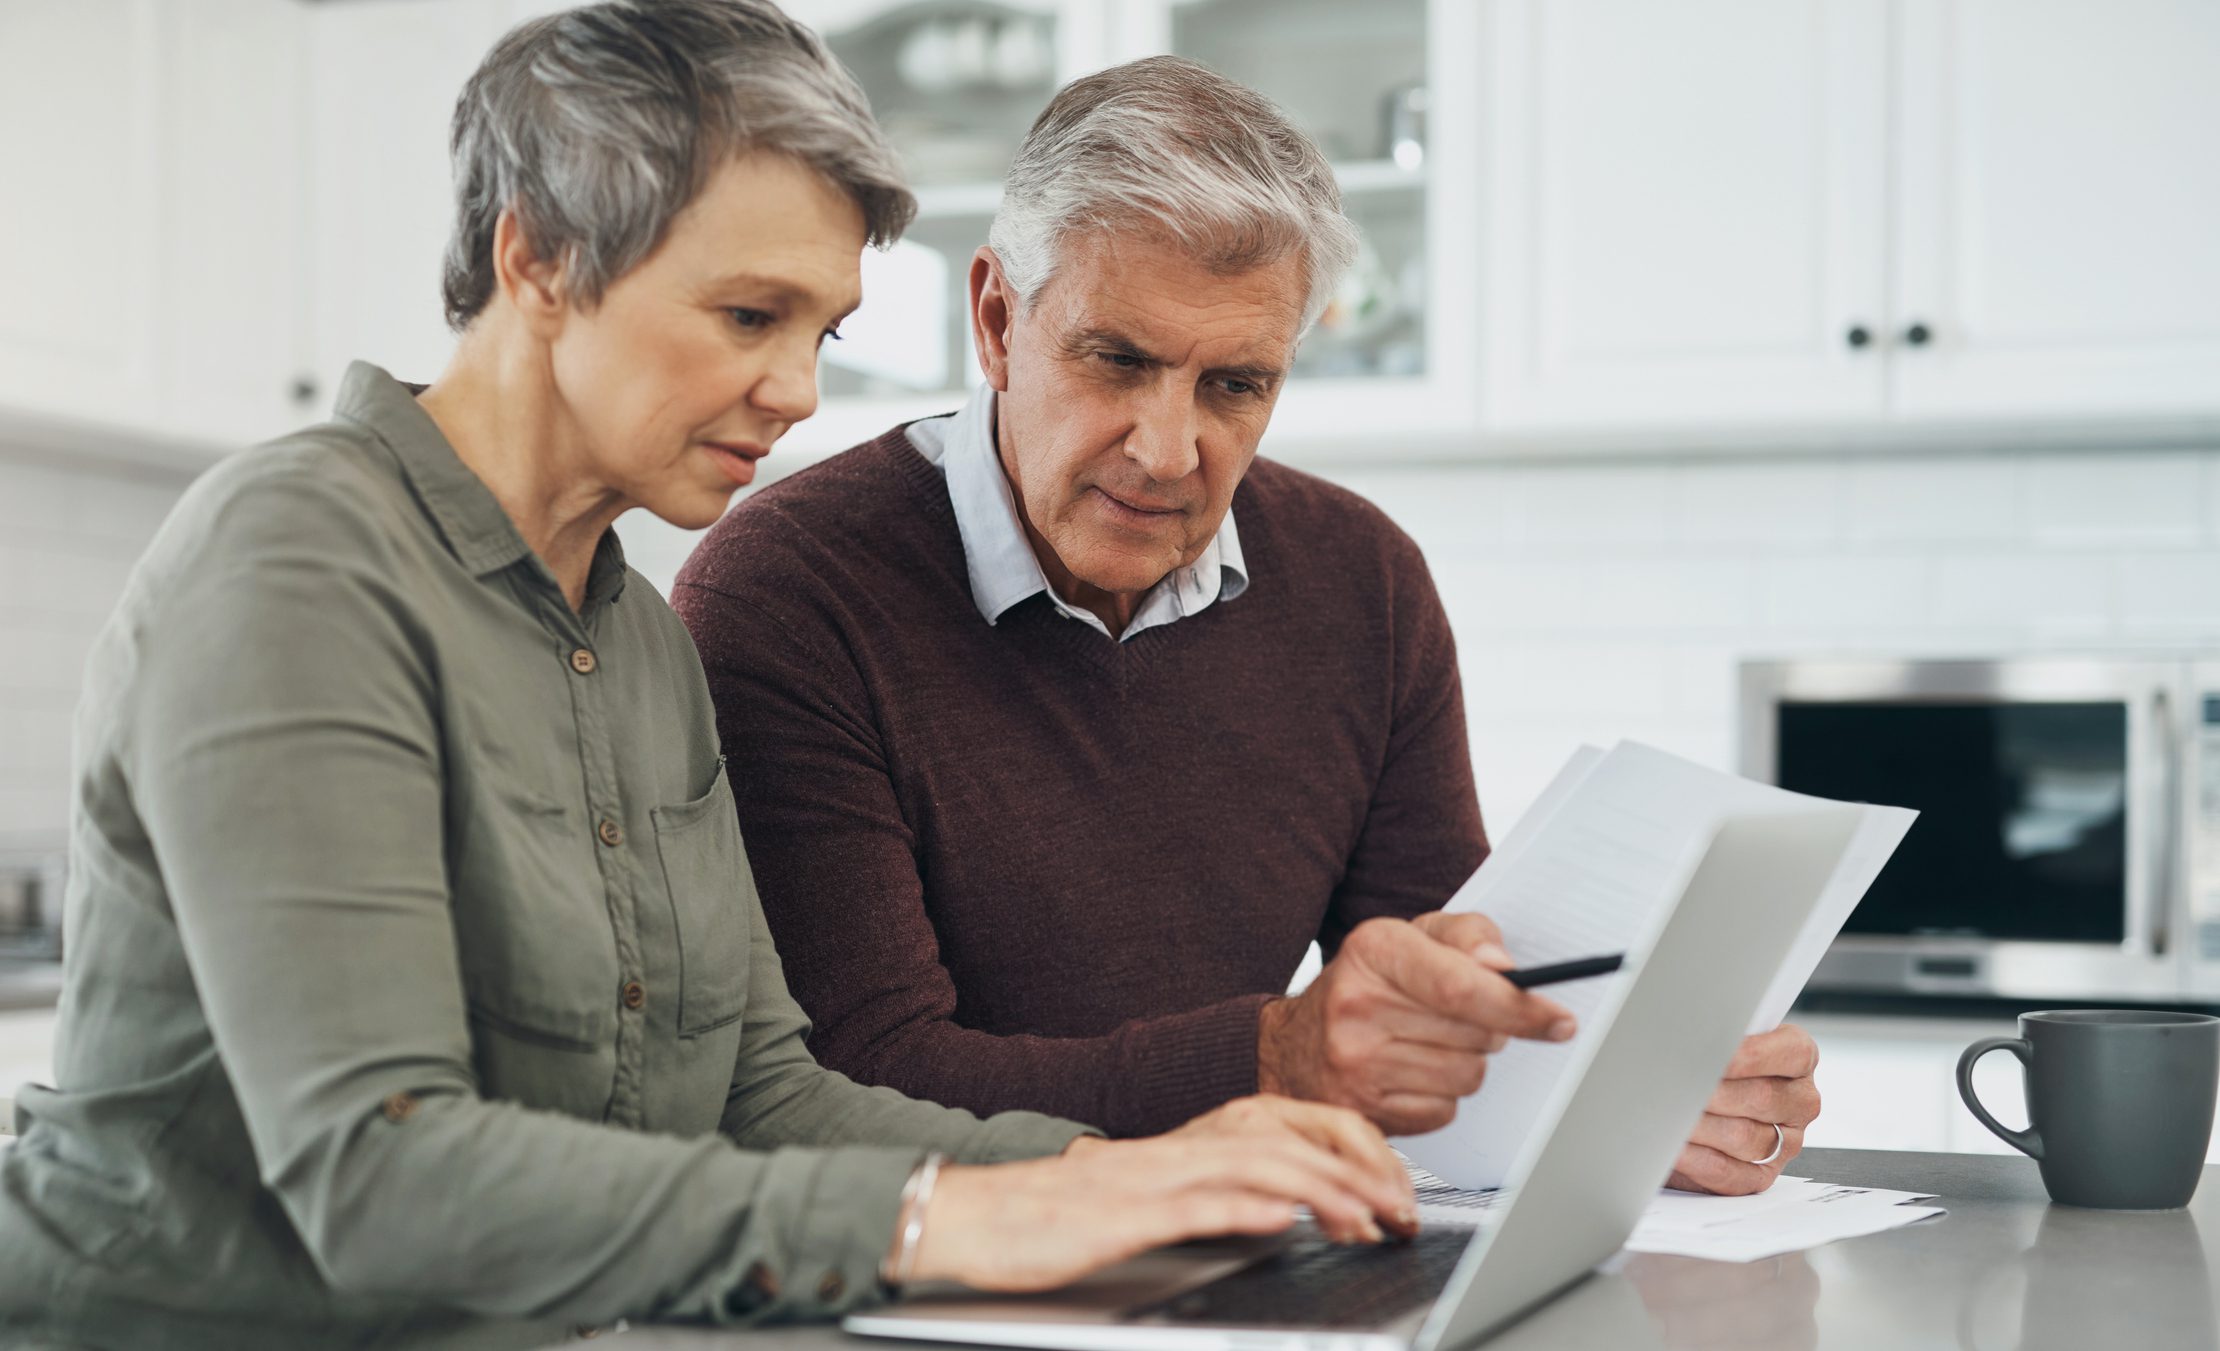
x: 2068, y: 842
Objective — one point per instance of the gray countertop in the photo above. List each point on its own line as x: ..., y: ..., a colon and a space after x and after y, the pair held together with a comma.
x: 29, y: 985
x: 2003, y: 1271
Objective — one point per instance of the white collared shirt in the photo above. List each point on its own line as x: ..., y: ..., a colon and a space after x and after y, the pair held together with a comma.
x: 1000, y: 558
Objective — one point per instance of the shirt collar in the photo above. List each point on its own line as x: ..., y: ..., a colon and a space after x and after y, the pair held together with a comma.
x: 469, y: 517
x: 999, y: 557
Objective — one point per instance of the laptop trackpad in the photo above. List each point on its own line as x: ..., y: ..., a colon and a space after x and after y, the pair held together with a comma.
x: 1148, y: 1279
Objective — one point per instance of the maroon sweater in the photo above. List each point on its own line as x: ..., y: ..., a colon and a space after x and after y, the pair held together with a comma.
x: 1023, y: 865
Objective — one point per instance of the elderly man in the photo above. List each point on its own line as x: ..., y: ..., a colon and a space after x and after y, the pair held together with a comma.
x: 1064, y: 724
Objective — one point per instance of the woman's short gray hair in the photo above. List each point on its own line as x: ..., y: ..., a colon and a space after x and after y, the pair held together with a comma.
x: 1170, y: 147
x: 599, y: 125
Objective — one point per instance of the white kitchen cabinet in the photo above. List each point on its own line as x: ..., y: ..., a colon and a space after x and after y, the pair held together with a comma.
x: 2056, y: 208
x: 955, y: 84
x: 1657, y: 225
x: 76, y: 333
x: 1684, y: 218
x: 231, y: 294
x: 379, y: 189
x: 149, y: 197
x: 1839, y: 214
x: 1386, y: 90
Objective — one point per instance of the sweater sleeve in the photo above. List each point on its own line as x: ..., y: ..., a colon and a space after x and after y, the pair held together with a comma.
x: 836, y: 863
x: 1422, y: 835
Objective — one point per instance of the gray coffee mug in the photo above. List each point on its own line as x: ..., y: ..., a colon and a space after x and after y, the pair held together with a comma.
x: 2119, y: 1103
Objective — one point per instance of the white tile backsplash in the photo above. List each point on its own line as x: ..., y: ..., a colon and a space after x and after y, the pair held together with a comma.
x: 1688, y: 598
x: 1587, y: 509
x: 34, y: 801
x: 34, y: 732
x: 1794, y: 507
x: 2169, y: 594
x: 1945, y: 503
x: 2063, y: 598
x: 1590, y: 601
x: 1846, y: 595
x: 1518, y: 596
x: 2119, y: 501
x: 1621, y: 600
x: 68, y: 538
x: 33, y: 496
x: 2211, y: 460
x: 46, y: 656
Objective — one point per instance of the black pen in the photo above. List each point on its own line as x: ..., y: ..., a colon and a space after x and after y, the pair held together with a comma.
x: 1526, y: 978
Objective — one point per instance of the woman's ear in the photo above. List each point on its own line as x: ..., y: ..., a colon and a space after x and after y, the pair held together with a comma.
x: 994, y: 310
x: 532, y: 284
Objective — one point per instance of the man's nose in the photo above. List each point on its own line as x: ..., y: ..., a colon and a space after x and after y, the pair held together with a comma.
x: 1162, y: 441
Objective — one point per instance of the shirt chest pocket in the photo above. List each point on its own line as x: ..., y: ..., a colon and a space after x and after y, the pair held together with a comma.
x: 712, y: 896
x: 539, y: 960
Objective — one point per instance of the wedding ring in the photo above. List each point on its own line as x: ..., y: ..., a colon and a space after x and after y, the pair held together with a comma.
x: 1780, y: 1142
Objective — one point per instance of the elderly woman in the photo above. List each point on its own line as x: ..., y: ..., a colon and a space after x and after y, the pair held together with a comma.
x: 416, y: 974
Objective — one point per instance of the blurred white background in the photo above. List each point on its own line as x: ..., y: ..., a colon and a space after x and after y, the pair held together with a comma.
x: 1686, y: 331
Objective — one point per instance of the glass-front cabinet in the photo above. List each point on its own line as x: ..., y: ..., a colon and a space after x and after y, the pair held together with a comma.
x: 1384, y: 87
x: 1354, y: 77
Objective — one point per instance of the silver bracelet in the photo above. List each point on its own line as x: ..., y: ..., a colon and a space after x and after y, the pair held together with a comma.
x: 917, y: 1193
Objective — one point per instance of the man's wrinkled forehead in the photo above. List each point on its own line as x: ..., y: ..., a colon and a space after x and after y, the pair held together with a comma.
x: 1158, y: 302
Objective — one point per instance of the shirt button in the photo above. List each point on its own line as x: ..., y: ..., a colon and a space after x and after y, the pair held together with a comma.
x: 582, y: 661
x: 832, y: 1287
x: 762, y: 1282
x: 399, y: 1107
x: 611, y: 833
x: 635, y: 994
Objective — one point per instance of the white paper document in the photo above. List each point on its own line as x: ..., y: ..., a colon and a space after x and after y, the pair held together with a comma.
x: 1793, y: 1214
x: 1595, y: 867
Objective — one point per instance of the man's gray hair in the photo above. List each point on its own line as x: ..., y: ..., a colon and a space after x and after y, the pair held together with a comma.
x: 599, y: 125
x: 1168, y: 147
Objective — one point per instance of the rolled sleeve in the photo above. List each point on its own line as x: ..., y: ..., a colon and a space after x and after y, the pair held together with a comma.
x: 851, y: 1201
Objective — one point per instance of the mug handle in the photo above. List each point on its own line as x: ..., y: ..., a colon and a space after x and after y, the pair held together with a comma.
x: 2029, y: 1141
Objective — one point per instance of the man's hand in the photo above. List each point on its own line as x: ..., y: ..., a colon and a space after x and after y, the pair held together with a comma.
x: 1768, y: 1083
x: 1400, y: 1024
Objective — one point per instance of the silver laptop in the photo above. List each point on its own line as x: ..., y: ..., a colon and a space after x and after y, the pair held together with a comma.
x: 1610, y: 1138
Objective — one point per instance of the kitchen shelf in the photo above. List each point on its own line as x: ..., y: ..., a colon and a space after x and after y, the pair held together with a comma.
x: 939, y: 201
x: 1377, y: 175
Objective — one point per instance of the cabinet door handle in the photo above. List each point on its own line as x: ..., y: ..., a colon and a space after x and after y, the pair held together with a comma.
x: 2165, y: 839
x: 1918, y: 334
x: 1859, y: 336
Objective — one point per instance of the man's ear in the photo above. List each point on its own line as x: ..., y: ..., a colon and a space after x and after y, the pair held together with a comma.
x: 532, y: 284
x: 994, y: 311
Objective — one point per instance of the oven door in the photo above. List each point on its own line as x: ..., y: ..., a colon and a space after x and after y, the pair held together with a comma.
x: 2047, y: 859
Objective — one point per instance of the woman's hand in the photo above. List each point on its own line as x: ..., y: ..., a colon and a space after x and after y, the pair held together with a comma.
x: 1337, y: 1130
x: 1768, y: 1085
x: 1242, y: 1169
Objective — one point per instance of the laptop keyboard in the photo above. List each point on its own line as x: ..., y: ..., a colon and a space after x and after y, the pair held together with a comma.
x: 1315, y: 1283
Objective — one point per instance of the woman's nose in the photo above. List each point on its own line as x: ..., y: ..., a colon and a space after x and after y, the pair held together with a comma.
x: 788, y: 389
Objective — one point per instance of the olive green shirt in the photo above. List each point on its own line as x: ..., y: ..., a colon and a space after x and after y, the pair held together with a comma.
x: 414, y: 968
